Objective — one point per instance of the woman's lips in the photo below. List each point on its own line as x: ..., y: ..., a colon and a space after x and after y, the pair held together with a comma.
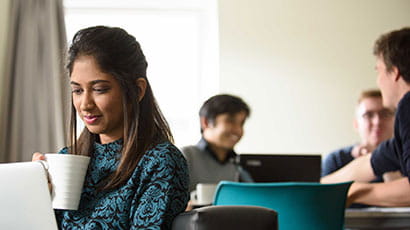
x: 91, y: 119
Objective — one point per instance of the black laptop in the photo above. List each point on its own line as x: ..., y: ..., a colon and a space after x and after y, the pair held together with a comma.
x: 281, y: 167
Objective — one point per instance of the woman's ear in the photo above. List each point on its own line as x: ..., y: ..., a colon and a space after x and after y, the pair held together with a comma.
x: 142, y: 86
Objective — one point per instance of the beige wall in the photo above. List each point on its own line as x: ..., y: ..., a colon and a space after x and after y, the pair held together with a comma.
x: 301, y: 65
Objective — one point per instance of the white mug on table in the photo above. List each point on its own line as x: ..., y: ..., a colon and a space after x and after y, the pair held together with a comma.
x: 204, y: 194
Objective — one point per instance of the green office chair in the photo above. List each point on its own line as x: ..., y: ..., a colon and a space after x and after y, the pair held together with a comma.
x: 299, y: 205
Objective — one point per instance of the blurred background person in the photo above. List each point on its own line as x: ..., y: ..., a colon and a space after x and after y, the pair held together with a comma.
x: 392, y: 51
x: 374, y: 124
x: 212, y: 159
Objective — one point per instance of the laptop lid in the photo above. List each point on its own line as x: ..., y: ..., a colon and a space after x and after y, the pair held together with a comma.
x: 282, y: 167
x: 25, y: 201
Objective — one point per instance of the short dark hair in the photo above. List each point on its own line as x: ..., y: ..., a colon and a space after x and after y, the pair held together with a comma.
x: 394, y: 48
x: 370, y: 93
x: 223, y: 103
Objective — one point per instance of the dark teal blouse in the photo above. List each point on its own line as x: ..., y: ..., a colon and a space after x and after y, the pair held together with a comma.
x: 156, y: 192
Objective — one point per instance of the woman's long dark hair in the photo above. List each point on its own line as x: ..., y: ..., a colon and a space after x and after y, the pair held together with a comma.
x: 119, y: 54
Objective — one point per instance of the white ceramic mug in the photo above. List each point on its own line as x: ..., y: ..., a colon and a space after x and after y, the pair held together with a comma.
x: 204, y: 194
x: 67, y: 173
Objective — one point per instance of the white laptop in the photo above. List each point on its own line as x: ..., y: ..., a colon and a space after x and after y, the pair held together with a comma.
x: 25, y: 201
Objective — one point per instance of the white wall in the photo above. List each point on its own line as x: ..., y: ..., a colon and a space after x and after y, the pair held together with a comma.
x: 301, y: 65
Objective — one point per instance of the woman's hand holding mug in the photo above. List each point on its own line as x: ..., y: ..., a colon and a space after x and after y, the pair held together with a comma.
x: 40, y: 157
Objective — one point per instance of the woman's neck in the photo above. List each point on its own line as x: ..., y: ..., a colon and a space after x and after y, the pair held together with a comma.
x: 104, y: 139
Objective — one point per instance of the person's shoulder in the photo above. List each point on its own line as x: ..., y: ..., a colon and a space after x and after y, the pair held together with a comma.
x: 164, y: 161
x: 406, y: 97
x: 341, y: 151
x: 404, y: 105
x: 165, y: 151
x: 339, y: 155
x: 189, y: 150
x: 336, y: 160
x: 165, y: 147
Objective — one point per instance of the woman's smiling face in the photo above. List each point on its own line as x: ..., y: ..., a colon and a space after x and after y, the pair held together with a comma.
x: 97, y: 99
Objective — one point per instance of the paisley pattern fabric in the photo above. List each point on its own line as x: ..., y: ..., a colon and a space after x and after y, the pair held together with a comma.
x: 156, y: 192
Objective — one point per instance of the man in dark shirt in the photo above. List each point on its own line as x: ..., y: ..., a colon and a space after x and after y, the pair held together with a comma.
x: 392, y: 51
x: 374, y: 124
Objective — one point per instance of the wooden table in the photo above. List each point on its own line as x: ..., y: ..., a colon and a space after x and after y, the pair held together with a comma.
x: 377, y: 218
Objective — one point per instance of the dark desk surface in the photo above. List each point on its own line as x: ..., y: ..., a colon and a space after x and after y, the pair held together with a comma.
x: 377, y: 218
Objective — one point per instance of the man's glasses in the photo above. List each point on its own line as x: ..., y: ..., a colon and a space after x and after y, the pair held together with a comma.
x: 382, y: 114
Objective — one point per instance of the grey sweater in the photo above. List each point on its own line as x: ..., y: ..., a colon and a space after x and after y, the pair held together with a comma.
x: 204, y: 168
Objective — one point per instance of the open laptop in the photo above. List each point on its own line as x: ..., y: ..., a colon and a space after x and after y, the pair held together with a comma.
x: 25, y: 201
x: 282, y: 167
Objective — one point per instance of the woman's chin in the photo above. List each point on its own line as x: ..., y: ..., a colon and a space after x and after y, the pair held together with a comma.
x: 94, y: 130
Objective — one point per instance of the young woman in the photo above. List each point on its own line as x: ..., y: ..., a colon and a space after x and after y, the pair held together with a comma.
x: 136, y: 178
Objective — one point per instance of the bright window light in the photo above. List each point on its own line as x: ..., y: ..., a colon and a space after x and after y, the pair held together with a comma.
x: 179, y: 39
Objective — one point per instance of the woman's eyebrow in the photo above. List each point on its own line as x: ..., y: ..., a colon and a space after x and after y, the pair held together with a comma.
x: 99, y: 81
x: 73, y: 83
x: 92, y: 82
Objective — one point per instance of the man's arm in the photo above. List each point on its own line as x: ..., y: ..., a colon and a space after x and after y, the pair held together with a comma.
x: 394, y: 193
x: 390, y: 176
x: 359, y: 169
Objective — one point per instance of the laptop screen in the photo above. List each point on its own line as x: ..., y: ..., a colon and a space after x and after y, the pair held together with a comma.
x: 282, y: 167
x: 25, y: 199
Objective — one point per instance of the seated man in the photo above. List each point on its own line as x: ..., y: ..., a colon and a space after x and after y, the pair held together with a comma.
x: 373, y: 122
x: 213, y: 159
x: 392, y: 51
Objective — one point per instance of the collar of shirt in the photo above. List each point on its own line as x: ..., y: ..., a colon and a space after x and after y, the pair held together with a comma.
x: 203, y: 145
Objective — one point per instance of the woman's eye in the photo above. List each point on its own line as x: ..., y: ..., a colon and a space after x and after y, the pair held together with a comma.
x: 77, y: 91
x: 101, y: 90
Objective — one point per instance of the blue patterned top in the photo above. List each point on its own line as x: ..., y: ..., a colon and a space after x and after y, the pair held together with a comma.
x: 156, y: 192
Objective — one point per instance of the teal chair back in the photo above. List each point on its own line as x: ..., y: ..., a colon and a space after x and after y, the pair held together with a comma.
x: 308, y: 206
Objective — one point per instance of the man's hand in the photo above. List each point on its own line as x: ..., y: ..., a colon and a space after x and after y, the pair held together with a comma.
x: 360, y: 150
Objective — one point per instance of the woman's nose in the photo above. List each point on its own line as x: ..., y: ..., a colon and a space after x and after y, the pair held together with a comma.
x: 87, y: 102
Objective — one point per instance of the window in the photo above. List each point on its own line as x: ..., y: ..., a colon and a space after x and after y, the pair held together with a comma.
x: 179, y: 39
